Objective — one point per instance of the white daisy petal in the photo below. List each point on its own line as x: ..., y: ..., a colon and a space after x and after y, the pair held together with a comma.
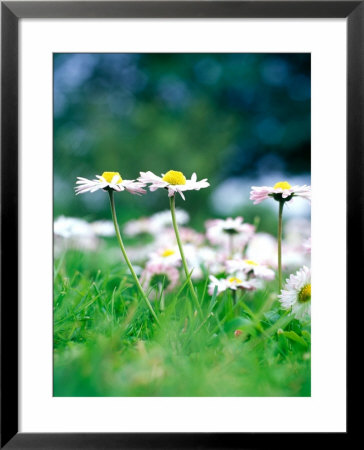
x: 108, y: 180
x: 297, y: 294
x: 174, y: 181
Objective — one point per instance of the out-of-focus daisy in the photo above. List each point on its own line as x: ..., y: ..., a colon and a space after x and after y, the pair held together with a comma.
x: 107, y: 181
x: 281, y: 191
x: 166, y: 256
x: 174, y: 181
x: 232, y: 283
x: 140, y: 253
x: 296, y: 230
x: 294, y: 257
x: 74, y: 233
x: 230, y: 225
x: 230, y: 233
x: 297, y: 294
x: 72, y: 227
x: 263, y: 248
x: 162, y: 219
x: 135, y: 227
x: 155, y: 224
x: 103, y: 228
x: 194, y: 260
x: 157, y: 274
x: 248, y: 267
x: 188, y: 235
x: 204, y: 258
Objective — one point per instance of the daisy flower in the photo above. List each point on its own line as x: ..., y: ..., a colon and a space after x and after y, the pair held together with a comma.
x: 156, y: 273
x: 103, y: 228
x: 281, y: 191
x: 136, y: 227
x: 230, y: 233
x: 232, y: 283
x: 218, y: 227
x: 203, y: 259
x: 69, y: 227
x: 294, y: 257
x: 71, y: 232
x: 249, y: 266
x: 263, y: 248
x: 109, y: 181
x: 297, y: 294
x: 166, y: 256
x: 173, y: 181
x: 188, y: 235
x: 161, y: 220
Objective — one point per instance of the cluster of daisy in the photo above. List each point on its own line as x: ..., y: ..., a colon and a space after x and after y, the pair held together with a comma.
x: 75, y: 233
x: 206, y: 253
x: 230, y: 251
x: 174, y: 182
x: 155, y: 224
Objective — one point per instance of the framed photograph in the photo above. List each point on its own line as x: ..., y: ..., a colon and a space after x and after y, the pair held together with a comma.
x: 178, y: 180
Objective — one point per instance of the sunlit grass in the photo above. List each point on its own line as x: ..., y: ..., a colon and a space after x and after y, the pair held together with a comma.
x: 106, y: 342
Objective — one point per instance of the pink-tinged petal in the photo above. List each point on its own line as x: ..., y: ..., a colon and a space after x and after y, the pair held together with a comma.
x: 149, y: 177
x: 181, y: 194
x: 87, y: 188
x: 154, y: 187
x: 134, y: 187
x: 248, y: 286
x: 258, y: 194
x: 303, y: 191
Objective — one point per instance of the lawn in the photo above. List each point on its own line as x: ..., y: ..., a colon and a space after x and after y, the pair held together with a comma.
x: 106, y: 342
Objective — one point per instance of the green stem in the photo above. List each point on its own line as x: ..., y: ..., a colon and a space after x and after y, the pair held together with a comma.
x: 118, y: 235
x: 280, y: 215
x: 172, y: 203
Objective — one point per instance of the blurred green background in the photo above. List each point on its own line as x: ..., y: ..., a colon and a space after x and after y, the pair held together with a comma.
x: 236, y: 119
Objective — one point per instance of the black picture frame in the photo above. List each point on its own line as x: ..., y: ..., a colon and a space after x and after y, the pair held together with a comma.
x: 11, y: 12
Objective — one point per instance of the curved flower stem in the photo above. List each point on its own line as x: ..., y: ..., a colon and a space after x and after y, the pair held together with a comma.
x: 118, y: 235
x: 280, y: 215
x: 172, y: 203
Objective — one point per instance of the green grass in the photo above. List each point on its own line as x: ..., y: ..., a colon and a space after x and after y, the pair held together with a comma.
x: 107, y: 344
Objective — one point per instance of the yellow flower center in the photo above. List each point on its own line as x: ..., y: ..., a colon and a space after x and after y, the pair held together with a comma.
x: 235, y: 280
x: 251, y: 263
x: 305, y: 294
x: 168, y: 252
x: 174, y: 177
x: 282, y: 185
x: 108, y: 176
